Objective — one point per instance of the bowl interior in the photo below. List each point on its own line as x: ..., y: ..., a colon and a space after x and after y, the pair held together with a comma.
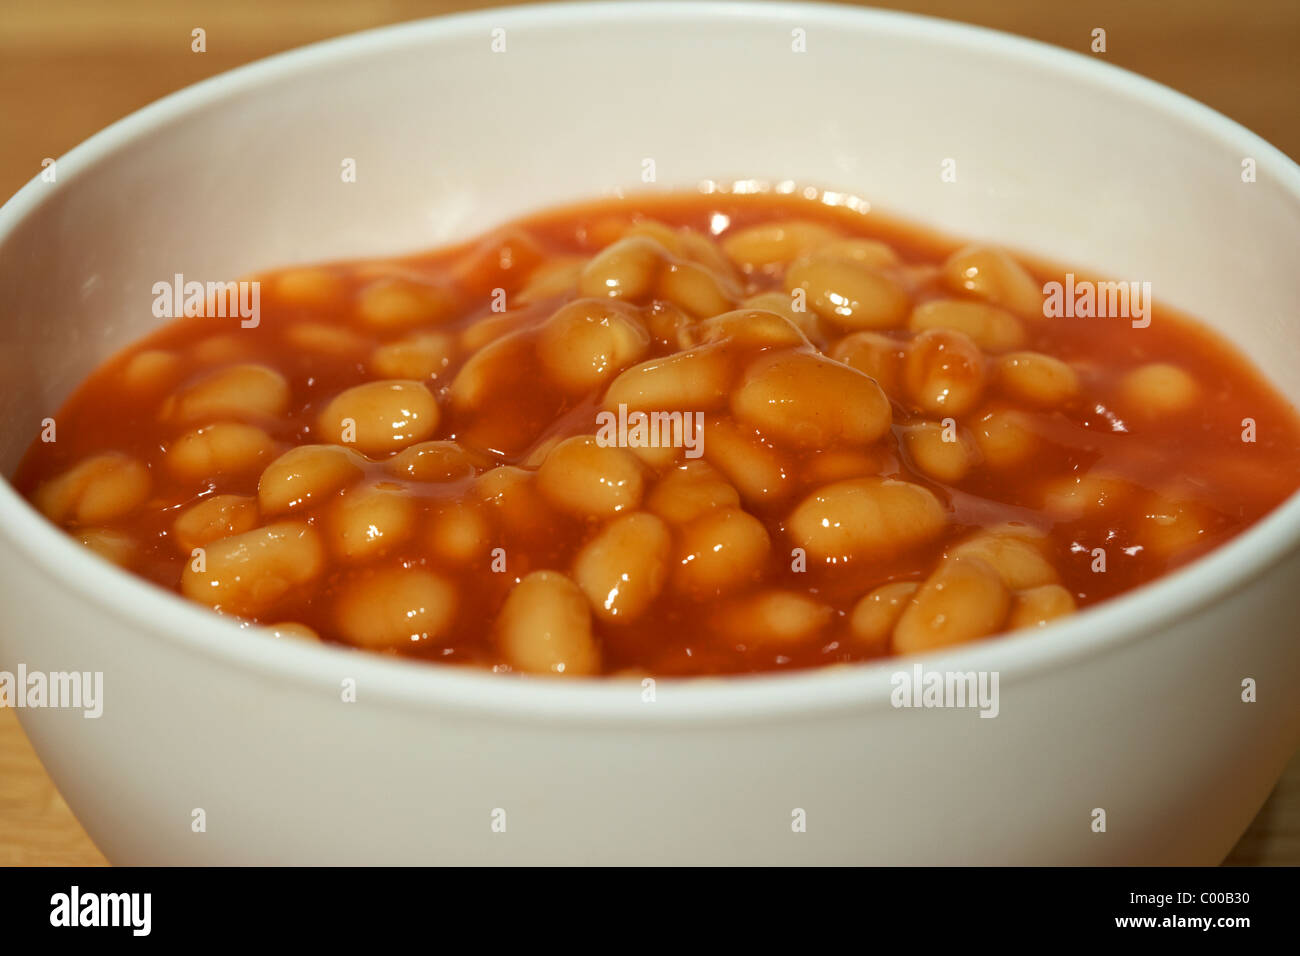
x: 1094, y: 168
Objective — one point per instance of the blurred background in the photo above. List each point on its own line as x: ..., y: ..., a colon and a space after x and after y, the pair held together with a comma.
x: 70, y: 67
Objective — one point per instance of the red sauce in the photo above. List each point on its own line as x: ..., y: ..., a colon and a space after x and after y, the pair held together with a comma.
x: 1197, y: 457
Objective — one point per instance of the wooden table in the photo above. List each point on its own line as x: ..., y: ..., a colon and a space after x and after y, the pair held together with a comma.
x: 70, y: 67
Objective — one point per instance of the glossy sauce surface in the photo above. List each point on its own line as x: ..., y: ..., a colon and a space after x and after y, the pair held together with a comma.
x: 1112, y: 471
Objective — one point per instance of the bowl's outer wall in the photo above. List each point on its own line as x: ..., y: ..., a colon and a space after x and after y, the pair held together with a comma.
x: 1154, y: 733
x: 450, y: 138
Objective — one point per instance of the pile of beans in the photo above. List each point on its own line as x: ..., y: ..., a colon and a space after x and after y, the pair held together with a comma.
x: 886, y: 447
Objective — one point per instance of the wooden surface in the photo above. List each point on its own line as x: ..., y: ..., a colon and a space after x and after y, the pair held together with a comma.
x: 70, y: 67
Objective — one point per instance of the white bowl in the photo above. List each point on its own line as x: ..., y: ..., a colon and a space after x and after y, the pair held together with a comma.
x: 1133, y: 707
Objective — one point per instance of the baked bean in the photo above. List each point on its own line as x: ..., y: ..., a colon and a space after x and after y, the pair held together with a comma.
x: 393, y: 302
x: 303, y: 476
x: 552, y: 278
x: 1037, y: 379
x: 694, y: 288
x: 783, y: 304
x: 433, y: 461
x: 688, y: 491
x: 459, y: 532
x: 97, y: 490
x: 627, y: 269
x: 1016, y: 553
x: 915, y: 275
x: 380, y: 417
x: 944, y: 373
x: 222, y: 350
x: 487, y: 369
x: 240, y: 391
x: 1078, y: 496
x: 220, y: 449
x: 871, y: 253
x: 545, y: 627
x: 538, y: 453
x: 115, y: 546
x: 605, y: 229
x: 809, y: 400
x: 151, y: 370
x: 963, y: 600
x: 992, y: 275
x: 638, y: 674
x: 293, y: 631
x: 684, y: 244
x: 695, y: 380
x: 849, y: 295
x: 865, y: 519
x: 663, y: 456
x: 662, y: 233
x: 583, y: 478
x: 492, y: 327
x: 394, y: 608
x: 720, y: 550
x: 622, y: 569
x: 871, y: 624
x: 836, y: 464
x: 758, y: 471
x: 775, y: 243
x: 942, y: 453
x: 417, y: 357
x: 778, y: 302
x: 309, y: 287
x: 1171, y: 524
x: 502, y: 480
x: 501, y: 260
x: 1039, y: 606
x: 370, y: 520
x: 755, y: 327
x: 213, y: 518
x: 703, y: 250
x: 1159, y: 389
x: 513, y: 497
x: 991, y: 328
x: 1005, y: 437
x: 668, y: 325
x: 874, y: 354
x: 321, y: 339
x: 245, y: 574
x: 589, y: 341
x: 773, y: 619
